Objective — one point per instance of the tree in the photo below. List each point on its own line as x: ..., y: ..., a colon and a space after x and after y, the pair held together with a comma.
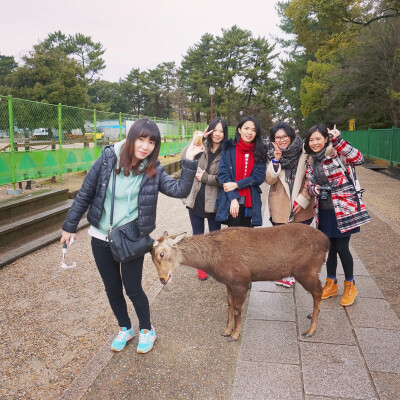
x: 366, y: 85
x: 81, y: 48
x: 230, y: 50
x: 197, y: 73
x: 7, y: 65
x: 290, y: 75
x: 133, y: 88
x: 108, y: 96
x: 49, y: 76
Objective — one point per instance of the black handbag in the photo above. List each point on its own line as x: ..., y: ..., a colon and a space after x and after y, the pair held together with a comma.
x: 126, y: 243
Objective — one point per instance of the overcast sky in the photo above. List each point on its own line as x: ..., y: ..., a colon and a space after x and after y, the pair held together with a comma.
x: 135, y: 34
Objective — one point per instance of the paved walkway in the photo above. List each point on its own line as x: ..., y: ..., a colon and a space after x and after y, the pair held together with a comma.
x: 355, y: 353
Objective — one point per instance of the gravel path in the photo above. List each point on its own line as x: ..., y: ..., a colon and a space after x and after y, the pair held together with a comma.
x: 53, y: 321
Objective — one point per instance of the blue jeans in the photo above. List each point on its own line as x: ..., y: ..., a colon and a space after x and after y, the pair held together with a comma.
x: 198, y: 224
x: 127, y: 274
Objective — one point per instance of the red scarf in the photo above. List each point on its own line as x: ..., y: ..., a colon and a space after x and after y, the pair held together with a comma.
x: 243, y: 148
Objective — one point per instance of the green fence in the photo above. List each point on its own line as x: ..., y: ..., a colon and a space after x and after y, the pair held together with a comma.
x: 40, y: 140
x: 382, y: 144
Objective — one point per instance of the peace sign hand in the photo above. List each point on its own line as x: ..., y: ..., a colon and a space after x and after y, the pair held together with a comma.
x: 277, y: 151
x: 334, y: 133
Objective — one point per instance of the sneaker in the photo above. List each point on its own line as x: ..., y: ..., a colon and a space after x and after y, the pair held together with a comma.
x: 349, y: 294
x: 287, y: 282
x: 201, y: 275
x: 120, y: 341
x: 146, y: 340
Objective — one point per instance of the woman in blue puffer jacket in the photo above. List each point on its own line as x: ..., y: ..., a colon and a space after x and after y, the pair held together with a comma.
x: 139, y: 179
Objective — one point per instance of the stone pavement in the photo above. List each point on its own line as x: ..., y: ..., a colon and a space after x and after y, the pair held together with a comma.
x: 354, y: 354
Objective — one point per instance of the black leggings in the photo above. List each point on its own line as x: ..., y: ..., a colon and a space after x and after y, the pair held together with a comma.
x: 129, y: 275
x: 340, y: 246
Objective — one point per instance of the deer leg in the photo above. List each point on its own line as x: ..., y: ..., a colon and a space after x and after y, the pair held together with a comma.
x: 230, y: 322
x: 313, y: 285
x: 238, y: 300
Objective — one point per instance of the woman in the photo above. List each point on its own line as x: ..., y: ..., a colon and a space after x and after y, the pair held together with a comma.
x: 340, y: 210
x: 205, y: 189
x: 241, y: 172
x: 139, y: 178
x: 288, y: 200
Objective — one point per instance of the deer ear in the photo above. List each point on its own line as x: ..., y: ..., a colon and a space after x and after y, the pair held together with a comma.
x: 155, y: 243
x: 178, y: 238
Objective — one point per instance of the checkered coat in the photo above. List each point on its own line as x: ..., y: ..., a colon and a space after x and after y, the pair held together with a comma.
x: 349, y: 208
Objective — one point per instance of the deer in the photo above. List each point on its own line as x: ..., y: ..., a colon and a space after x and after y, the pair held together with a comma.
x: 237, y: 256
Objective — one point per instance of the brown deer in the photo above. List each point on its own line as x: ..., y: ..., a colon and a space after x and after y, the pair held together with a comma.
x: 238, y: 256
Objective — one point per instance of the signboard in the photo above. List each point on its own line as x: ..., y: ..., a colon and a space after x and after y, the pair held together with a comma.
x: 352, y: 124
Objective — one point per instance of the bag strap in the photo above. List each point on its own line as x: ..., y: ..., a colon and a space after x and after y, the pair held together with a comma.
x: 112, y: 201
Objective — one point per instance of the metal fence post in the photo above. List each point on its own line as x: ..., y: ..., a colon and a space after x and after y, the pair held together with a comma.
x: 391, y: 147
x: 368, y: 142
x: 120, y: 126
x: 60, y: 140
x: 11, y: 126
x: 94, y: 128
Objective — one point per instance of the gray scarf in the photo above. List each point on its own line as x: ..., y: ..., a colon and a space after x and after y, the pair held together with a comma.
x: 289, y: 160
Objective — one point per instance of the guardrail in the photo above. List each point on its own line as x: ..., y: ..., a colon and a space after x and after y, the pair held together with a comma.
x: 382, y: 144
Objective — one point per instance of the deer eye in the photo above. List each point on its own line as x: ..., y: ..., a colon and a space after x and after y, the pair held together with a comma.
x: 161, y: 255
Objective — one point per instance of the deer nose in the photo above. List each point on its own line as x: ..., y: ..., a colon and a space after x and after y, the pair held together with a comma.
x: 162, y: 280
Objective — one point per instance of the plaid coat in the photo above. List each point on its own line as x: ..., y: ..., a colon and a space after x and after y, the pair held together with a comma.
x: 349, y: 208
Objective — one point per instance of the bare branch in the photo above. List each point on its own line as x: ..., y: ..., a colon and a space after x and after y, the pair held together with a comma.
x: 395, y: 13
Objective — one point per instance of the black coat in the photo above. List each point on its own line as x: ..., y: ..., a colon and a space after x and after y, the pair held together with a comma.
x: 93, y: 192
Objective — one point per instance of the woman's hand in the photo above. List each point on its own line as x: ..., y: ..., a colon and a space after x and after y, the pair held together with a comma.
x: 66, y: 237
x: 234, y: 209
x: 194, y: 149
x: 277, y: 151
x: 229, y: 186
x: 334, y: 133
x: 207, y: 132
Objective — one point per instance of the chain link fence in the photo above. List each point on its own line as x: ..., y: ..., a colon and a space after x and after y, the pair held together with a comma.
x: 40, y: 140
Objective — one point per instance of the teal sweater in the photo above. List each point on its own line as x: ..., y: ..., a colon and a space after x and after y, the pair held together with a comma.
x: 126, y: 197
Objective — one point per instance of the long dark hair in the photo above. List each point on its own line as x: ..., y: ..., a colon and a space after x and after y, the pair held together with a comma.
x: 260, y: 152
x: 212, y: 125
x: 316, y: 128
x: 128, y: 163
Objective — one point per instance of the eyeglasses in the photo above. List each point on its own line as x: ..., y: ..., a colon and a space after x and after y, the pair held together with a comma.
x: 281, y: 138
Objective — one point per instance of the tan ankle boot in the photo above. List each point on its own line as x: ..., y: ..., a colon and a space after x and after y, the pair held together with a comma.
x: 349, y: 294
x: 330, y: 289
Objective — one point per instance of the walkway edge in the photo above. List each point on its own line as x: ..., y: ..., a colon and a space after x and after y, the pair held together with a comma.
x: 80, y: 385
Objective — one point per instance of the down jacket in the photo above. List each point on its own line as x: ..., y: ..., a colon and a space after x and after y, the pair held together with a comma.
x: 349, y: 208
x: 227, y: 173
x: 93, y: 192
